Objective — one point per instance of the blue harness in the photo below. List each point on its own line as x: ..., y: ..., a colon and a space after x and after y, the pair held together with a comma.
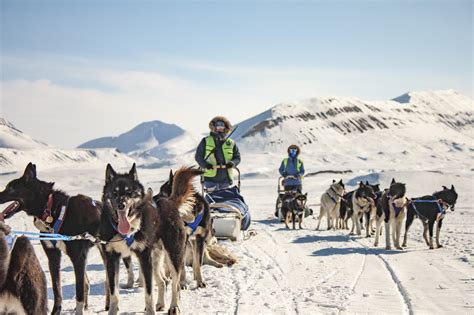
x: 440, y: 208
x: 397, y: 209
x: 129, y: 239
x: 194, y: 225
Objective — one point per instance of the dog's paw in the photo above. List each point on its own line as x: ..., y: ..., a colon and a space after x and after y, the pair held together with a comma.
x: 440, y: 246
x: 202, y: 285
x: 126, y: 286
x: 149, y: 311
x: 183, y: 286
x: 404, y: 245
x: 399, y: 248
x: 388, y: 247
x: 56, y: 310
x: 431, y: 247
x: 160, y: 307
x: 174, y: 311
x: 376, y: 244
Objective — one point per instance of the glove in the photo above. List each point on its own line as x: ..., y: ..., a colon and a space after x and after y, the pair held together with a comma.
x: 209, y: 166
x: 285, y: 174
x: 229, y: 164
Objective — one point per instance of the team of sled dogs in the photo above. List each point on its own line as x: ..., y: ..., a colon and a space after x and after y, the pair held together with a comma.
x: 368, y: 204
x: 167, y: 231
x: 162, y: 231
x: 391, y: 206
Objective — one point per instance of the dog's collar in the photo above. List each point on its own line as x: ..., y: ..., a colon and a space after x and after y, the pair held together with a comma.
x: 46, y: 215
x: 48, y: 218
x: 335, y: 192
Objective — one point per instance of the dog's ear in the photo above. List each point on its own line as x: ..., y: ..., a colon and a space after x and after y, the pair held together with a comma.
x: 445, y: 188
x: 333, y: 181
x: 30, y: 172
x: 452, y: 188
x: 133, y: 172
x: 340, y: 182
x: 367, y: 182
x: 109, y: 173
x: 306, y: 195
x: 361, y: 184
x: 170, y: 180
x: 393, y: 181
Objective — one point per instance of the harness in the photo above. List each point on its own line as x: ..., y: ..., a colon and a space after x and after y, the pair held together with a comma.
x: 194, y: 225
x: 129, y: 239
x: 398, y: 210
x: 48, y: 219
x: 335, y: 192
x: 438, y: 202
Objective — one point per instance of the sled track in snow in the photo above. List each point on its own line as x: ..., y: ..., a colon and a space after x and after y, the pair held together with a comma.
x: 401, y: 289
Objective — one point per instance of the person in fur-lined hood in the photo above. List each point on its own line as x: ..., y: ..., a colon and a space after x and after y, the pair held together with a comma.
x: 292, y: 166
x: 217, y: 155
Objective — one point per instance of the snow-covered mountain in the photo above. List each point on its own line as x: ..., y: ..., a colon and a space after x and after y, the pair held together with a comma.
x: 414, y: 129
x: 18, y: 148
x: 144, y: 137
x: 11, y: 137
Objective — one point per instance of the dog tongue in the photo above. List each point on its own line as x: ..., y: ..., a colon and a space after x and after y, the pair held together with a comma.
x: 123, y: 224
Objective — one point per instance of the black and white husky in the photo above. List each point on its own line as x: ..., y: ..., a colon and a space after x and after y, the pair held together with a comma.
x: 391, y: 209
x: 132, y: 222
x: 430, y: 209
x: 330, y: 205
x: 22, y: 281
x: 362, y: 202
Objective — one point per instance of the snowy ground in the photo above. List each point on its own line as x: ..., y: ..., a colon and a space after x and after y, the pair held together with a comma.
x: 305, y: 271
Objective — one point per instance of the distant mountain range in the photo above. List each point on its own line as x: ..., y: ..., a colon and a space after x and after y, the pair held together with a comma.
x: 144, y: 137
x: 427, y: 127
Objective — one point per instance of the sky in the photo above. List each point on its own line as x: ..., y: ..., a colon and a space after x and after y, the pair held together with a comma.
x: 72, y: 71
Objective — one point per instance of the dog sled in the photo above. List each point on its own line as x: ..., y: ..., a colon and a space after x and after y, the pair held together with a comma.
x: 229, y: 212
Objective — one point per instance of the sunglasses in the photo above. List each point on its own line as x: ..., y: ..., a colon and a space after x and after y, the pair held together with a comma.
x: 219, y: 124
x: 293, y: 150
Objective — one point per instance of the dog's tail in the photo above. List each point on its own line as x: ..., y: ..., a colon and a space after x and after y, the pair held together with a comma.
x: 182, y: 193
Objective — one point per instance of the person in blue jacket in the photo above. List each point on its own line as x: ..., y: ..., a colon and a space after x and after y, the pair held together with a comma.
x: 292, y: 166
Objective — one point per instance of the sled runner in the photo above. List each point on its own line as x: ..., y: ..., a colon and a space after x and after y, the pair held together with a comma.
x: 229, y: 212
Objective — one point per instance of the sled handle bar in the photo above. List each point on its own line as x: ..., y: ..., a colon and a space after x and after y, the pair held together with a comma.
x: 281, y: 179
x: 222, y: 167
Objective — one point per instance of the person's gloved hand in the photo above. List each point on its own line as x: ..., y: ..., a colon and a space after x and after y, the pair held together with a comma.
x: 285, y: 174
x: 209, y: 166
x: 229, y: 164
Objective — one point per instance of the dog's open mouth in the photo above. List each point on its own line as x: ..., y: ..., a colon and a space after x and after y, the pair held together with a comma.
x: 123, y: 226
x: 11, y: 209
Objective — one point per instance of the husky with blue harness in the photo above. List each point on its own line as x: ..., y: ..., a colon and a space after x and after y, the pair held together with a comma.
x: 391, y: 209
x: 430, y: 209
x: 154, y: 231
x: 330, y: 205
